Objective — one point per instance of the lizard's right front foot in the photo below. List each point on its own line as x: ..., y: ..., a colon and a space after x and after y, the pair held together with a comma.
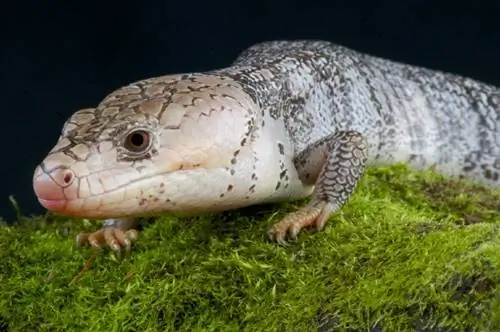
x: 116, y: 234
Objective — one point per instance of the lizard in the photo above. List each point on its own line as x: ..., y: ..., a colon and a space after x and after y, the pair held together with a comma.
x: 288, y: 119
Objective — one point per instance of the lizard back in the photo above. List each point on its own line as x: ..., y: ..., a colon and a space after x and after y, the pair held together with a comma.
x: 408, y: 114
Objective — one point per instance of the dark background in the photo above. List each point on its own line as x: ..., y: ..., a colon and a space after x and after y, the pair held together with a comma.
x: 57, y: 57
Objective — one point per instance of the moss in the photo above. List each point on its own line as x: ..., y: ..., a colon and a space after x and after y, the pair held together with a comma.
x: 410, y: 251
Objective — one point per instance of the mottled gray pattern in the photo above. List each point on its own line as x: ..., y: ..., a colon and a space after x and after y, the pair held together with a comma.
x: 407, y: 113
x: 338, y: 160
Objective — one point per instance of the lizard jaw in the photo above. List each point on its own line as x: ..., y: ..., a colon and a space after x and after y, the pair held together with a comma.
x: 54, y: 205
x: 180, y: 192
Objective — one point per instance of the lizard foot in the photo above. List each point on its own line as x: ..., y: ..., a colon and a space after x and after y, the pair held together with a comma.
x: 292, y: 224
x: 114, y: 237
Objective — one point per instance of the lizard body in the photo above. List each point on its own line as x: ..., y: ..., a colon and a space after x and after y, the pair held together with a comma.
x: 286, y: 120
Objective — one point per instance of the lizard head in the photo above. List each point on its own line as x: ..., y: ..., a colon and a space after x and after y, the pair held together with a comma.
x: 167, y: 144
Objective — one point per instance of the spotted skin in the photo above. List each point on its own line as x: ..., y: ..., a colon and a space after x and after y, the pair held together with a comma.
x: 286, y: 120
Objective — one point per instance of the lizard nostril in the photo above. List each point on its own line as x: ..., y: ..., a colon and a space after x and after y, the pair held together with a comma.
x: 68, y: 177
x: 64, y: 177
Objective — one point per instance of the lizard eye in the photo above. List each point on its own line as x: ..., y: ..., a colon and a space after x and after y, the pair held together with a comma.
x: 138, y: 141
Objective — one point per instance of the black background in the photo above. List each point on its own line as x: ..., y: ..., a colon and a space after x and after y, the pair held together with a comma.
x: 57, y: 57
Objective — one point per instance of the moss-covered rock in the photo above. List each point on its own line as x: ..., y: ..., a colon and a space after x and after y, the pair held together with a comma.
x: 411, y: 251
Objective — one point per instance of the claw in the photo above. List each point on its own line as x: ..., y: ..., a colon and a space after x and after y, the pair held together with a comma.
x: 294, y: 231
x: 281, y: 240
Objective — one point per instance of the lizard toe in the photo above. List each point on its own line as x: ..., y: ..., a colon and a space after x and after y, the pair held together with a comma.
x: 132, y: 235
x: 294, y: 231
x: 111, y: 240
x: 114, y: 238
x: 290, y: 227
x: 277, y: 235
x: 96, y: 239
x: 121, y: 239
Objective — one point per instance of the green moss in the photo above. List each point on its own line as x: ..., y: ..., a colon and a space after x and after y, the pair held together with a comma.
x: 410, y: 251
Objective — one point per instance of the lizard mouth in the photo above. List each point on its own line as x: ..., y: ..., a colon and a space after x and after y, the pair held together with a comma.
x: 54, y: 205
x: 161, y: 192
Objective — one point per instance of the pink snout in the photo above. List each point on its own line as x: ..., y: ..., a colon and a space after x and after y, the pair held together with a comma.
x: 54, y: 189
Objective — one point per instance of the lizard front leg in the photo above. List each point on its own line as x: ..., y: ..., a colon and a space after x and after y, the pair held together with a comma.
x: 115, y: 233
x: 334, y: 165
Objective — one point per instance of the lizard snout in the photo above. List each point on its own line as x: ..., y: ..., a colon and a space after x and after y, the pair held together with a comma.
x: 54, y: 189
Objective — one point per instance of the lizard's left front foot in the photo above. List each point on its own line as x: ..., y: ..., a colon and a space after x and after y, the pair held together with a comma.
x: 334, y: 164
x: 294, y: 222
